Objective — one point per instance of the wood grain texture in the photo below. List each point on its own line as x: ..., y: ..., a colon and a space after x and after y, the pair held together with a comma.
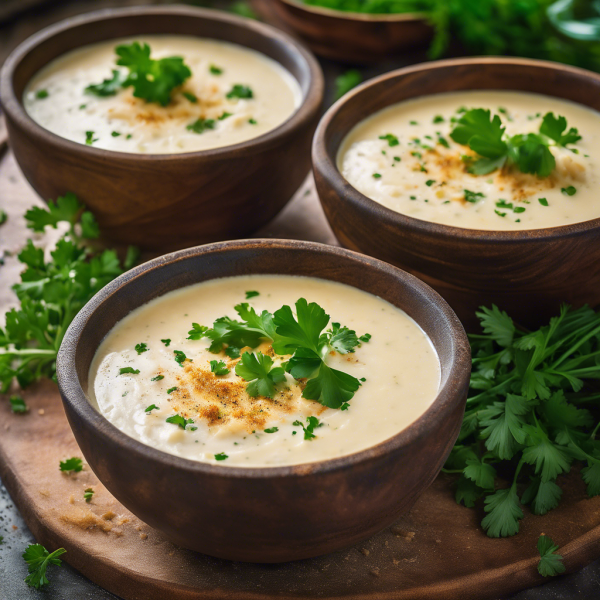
x: 353, y: 38
x: 167, y: 201
x: 437, y: 551
x: 527, y: 273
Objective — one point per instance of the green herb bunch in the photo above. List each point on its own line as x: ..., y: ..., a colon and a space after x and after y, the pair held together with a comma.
x: 52, y: 291
x: 302, y: 336
x: 532, y: 411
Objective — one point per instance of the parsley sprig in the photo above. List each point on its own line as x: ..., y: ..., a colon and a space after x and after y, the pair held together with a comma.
x: 532, y: 411
x: 301, y: 335
x: 52, y: 292
x: 530, y: 153
x: 38, y: 560
x: 152, y: 80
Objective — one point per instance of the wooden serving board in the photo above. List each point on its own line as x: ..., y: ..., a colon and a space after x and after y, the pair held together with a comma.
x: 437, y: 551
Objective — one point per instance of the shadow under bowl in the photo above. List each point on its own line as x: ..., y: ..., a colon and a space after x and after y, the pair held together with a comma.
x: 527, y: 273
x: 356, y: 38
x: 166, y: 201
x: 270, y: 514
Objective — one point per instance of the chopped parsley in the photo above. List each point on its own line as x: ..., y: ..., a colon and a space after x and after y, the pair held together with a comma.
x: 173, y: 389
x: 240, y: 91
x: 17, y: 405
x: 89, y: 138
x: 312, y: 423
x: 180, y: 357
x: 166, y: 342
x: 126, y: 370
x: 152, y: 407
x: 251, y: 294
x: 504, y: 204
x: 438, y: 119
x: 3, y: 217
x: 519, y: 209
x: 215, y: 70
x: 413, y: 122
x: 190, y: 97
x: 430, y: 182
x: 500, y: 214
x: 197, y: 331
x: 108, y: 87
x: 569, y: 191
x: 543, y: 201
x: 271, y: 430
x: 87, y: 494
x: 41, y: 94
x: 179, y: 421
x: 141, y: 348
x: 391, y: 139
x: 38, y: 559
x: 115, y: 134
x: 218, y: 367
x: 201, y: 125
x: 221, y: 456
x: 473, y: 196
x: 158, y: 378
x: 223, y: 116
x: 71, y: 465
x: 252, y: 121
x: 376, y: 175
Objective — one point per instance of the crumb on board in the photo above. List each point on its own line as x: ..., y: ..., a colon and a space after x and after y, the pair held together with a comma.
x: 41, y: 412
x: 143, y: 536
x: 85, y: 519
x: 71, y: 499
x: 374, y: 572
x: 364, y: 551
x: 402, y: 533
x: 109, y: 515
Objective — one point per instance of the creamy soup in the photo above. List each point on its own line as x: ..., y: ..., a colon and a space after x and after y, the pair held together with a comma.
x: 404, y: 158
x: 56, y: 98
x: 137, y: 367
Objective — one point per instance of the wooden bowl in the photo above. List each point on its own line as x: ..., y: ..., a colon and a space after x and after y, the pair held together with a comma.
x: 270, y: 514
x: 168, y: 200
x: 357, y: 38
x: 527, y: 273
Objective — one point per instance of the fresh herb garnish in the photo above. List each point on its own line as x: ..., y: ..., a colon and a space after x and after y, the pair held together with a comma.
x: 240, y: 91
x: 173, y: 389
x: 376, y: 175
x: 223, y: 116
x: 438, y: 119
x: 41, y: 94
x: 550, y: 563
x: 180, y: 421
x: 430, y: 182
x: 391, y: 139
x: 38, y: 559
x: 201, y: 125
x: 108, y: 87
x: 152, y: 407
x: 17, y: 405
x: 215, y: 70
x: 526, y: 415
x: 89, y: 138
x: 221, y: 456
x: 180, y: 357
x: 190, y: 97
x: 251, y: 294
x: 218, y: 367
x: 131, y: 370
x: 257, y: 368
x: 3, y: 217
x: 140, y: 348
x: 252, y: 121
x: 347, y: 81
x: 158, y: 378
x: 87, y: 494
x: 115, y: 134
x: 569, y: 191
x: 166, y: 342
x: 71, y: 465
x: 196, y: 332
x: 543, y: 201
x: 271, y: 430
x: 312, y: 423
x: 473, y: 196
x: 530, y: 152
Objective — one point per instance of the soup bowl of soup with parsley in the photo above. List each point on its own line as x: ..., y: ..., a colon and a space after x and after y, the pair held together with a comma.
x: 174, y: 125
x: 265, y: 400
x: 479, y: 175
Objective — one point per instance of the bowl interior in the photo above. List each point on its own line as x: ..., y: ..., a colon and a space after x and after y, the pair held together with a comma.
x: 247, y: 257
x: 104, y: 25
x: 524, y: 75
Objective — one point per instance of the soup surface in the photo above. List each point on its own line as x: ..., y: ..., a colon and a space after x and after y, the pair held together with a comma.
x: 399, y: 366
x: 405, y: 158
x: 57, y: 99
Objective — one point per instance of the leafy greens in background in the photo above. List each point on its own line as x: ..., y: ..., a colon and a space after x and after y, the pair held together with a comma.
x: 532, y: 412
x: 52, y: 291
x: 566, y: 31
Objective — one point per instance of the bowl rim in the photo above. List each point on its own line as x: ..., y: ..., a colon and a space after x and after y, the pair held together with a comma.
x: 309, y: 105
x: 447, y: 398
x: 326, y: 164
x: 357, y: 16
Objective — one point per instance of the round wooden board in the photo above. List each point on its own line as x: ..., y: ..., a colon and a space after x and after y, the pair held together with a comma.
x: 437, y: 550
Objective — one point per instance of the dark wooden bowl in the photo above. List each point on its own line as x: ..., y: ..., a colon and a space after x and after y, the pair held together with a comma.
x: 168, y: 200
x: 272, y: 514
x: 357, y: 38
x: 528, y: 273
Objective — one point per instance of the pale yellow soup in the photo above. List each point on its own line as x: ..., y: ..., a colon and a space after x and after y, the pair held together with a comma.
x: 425, y: 176
x: 399, y: 363
x: 127, y: 124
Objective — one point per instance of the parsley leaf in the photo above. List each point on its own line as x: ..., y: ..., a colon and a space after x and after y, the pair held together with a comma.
x: 251, y: 294
x: 108, y: 87
x: 152, y: 80
x: 221, y: 456
x: 531, y: 154
x: 271, y: 430
x: 342, y: 339
x: 74, y: 465
x: 201, y: 125
x: 257, y: 368
x: 550, y: 563
x: 195, y: 333
x: 311, y: 424
x: 126, y: 370
x: 240, y: 91
x: 180, y: 357
x: 504, y: 513
x: 391, y: 139
x: 17, y: 405
x: 87, y: 494
x: 218, y: 367
x: 152, y: 407
x: 180, y: 421
x: 554, y: 128
x: 166, y: 342
x: 158, y: 378
x: 346, y: 81
x: 38, y: 560
x: 141, y: 348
